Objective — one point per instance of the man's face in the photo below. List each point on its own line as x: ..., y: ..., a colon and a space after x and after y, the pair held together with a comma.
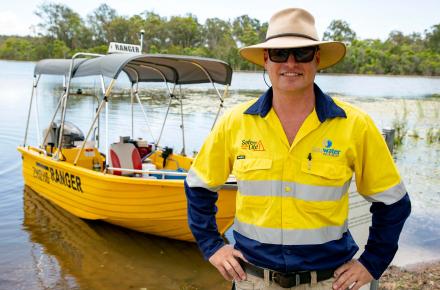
x: 291, y: 76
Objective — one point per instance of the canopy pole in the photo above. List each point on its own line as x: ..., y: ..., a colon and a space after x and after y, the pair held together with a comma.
x: 101, y: 105
x: 145, y: 116
x: 132, y: 110
x: 99, y: 120
x: 104, y: 100
x: 63, y: 112
x: 212, y: 83
x: 225, y: 93
x: 37, y: 117
x: 171, y: 95
x: 107, y: 145
x: 136, y: 93
x: 61, y: 132
x: 181, y: 121
x: 34, y: 87
x: 53, y: 118
x: 159, y: 72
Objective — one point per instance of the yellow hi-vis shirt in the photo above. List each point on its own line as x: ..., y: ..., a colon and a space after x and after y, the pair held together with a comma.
x: 296, y: 194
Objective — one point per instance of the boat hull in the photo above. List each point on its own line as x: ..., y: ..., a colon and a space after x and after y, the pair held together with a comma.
x: 157, y: 207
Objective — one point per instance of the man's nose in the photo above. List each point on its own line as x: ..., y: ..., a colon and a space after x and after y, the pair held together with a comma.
x: 291, y: 59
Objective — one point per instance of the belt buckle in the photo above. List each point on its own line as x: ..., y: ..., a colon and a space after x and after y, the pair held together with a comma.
x: 287, y: 280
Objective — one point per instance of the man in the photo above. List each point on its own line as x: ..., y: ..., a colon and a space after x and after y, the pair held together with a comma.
x: 293, y: 152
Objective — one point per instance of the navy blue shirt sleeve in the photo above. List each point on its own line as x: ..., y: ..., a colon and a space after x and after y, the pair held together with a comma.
x: 201, y: 219
x: 387, y: 223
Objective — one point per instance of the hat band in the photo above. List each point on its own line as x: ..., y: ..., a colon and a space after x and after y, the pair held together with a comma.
x: 290, y: 34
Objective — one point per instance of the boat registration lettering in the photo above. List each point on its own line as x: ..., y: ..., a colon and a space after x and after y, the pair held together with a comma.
x: 48, y: 174
x: 41, y: 174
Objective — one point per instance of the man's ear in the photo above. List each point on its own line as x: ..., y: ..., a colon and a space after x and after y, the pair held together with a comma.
x: 318, y: 57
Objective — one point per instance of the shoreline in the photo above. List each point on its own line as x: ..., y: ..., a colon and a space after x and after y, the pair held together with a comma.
x: 424, y: 275
x: 351, y: 74
x: 319, y: 73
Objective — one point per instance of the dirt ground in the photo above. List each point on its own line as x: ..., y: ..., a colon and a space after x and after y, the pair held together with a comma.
x: 420, y: 276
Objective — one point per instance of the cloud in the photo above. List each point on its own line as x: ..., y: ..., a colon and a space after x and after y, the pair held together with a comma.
x: 11, y: 25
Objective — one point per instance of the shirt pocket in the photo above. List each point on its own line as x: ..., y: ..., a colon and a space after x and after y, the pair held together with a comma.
x: 319, y: 170
x: 253, y: 176
x: 252, y: 164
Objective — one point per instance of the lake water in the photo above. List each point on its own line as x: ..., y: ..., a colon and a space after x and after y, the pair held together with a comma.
x: 44, y: 247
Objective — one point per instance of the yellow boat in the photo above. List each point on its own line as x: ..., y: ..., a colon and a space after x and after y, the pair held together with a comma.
x: 99, y: 256
x: 148, y: 194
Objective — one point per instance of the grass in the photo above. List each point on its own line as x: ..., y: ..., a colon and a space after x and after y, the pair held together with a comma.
x: 433, y: 136
x: 414, y: 134
x: 436, y: 111
x: 420, y: 112
x: 400, y: 127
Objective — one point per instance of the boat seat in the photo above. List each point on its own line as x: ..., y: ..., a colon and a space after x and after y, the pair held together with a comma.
x: 124, y: 155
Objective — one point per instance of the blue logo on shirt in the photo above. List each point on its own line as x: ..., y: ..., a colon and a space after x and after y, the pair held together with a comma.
x: 328, y: 143
x: 327, y: 149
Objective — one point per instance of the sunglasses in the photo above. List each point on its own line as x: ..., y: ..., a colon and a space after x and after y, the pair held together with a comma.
x: 301, y: 54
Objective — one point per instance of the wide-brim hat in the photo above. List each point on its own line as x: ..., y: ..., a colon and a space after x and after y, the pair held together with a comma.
x: 291, y: 28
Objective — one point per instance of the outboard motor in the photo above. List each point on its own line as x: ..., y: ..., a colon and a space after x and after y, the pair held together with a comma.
x: 71, y: 134
x: 51, y: 139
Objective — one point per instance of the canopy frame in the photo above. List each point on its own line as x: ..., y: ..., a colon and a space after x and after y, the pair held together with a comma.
x: 132, y: 65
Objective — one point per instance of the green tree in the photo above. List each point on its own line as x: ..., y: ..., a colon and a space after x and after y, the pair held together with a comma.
x: 339, y: 30
x: 155, y: 32
x: 217, y: 36
x: 16, y: 48
x: 246, y: 30
x: 62, y: 23
x: 183, y: 31
x: 121, y: 29
x: 433, y: 38
x: 98, y: 21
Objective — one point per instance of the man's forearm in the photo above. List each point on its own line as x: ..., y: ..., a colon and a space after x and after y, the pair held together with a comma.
x: 201, y: 219
x: 387, y: 223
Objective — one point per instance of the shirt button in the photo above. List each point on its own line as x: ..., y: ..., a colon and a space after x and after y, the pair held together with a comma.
x: 287, y: 188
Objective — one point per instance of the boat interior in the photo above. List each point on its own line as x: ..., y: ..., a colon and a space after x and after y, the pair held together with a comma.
x: 127, y: 157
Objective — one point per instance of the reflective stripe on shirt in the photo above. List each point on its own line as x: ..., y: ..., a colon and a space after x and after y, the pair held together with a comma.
x: 292, y: 189
x: 290, y: 236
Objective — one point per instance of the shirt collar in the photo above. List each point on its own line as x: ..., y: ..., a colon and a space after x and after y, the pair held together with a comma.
x: 325, y: 107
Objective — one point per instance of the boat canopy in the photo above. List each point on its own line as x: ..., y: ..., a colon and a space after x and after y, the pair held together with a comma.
x: 55, y: 66
x: 175, y: 69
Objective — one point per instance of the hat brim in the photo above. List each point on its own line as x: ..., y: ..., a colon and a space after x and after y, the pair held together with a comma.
x: 331, y: 52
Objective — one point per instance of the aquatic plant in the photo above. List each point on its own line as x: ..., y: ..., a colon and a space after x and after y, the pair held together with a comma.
x: 414, y: 134
x: 433, y: 135
x: 405, y: 111
x: 420, y: 112
x: 400, y: 127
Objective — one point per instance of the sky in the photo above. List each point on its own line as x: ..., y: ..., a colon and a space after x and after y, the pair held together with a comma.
x: 368, y: 18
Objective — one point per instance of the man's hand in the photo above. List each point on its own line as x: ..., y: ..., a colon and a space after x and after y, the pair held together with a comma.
x: 226, y: 262
x: 352, y: 275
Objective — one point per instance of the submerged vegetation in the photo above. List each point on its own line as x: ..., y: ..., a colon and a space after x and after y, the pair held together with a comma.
x: 62, y: 32
x: 433, y: 135
x: 399, y: 125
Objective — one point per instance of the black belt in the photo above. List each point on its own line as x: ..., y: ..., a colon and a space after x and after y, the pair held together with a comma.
x: 288, y: 280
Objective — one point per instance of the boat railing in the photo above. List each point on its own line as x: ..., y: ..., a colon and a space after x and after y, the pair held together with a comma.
x: 231, y: 179
x: 156, y: 172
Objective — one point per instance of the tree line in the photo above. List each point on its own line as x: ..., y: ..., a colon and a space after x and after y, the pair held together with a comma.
x: 62, y: 32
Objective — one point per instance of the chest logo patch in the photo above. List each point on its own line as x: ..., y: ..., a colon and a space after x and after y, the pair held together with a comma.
x: 252, y: 145
x: 327, y: 149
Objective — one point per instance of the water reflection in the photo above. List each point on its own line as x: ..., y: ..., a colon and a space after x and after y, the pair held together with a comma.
x: 78, y: 254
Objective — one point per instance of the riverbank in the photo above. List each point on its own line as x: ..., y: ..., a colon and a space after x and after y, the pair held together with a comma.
x: 421, y: 276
